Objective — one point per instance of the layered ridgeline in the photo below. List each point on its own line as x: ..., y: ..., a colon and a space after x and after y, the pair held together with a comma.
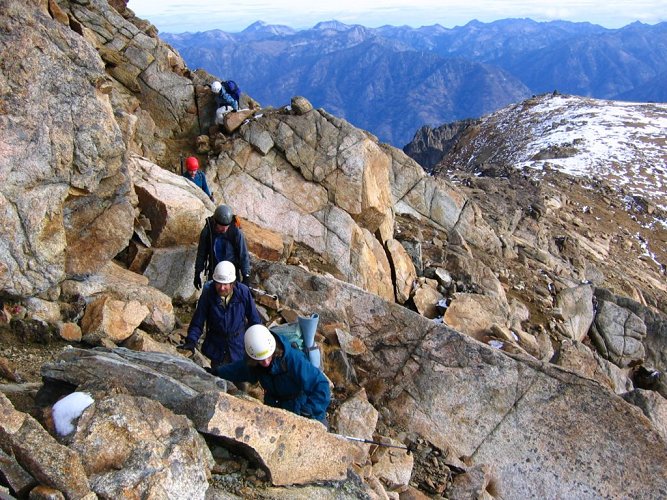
x: 490, y: 325
x: 392, y: 80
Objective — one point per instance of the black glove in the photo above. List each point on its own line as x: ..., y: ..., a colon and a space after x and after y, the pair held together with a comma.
x: 210, y: 370
x: 197, y: 281
x: 247, y: 280
x: 188, y: 345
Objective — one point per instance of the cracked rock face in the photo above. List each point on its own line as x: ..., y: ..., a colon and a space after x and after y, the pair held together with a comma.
x: 478, y: 403
x: 65, y: 186
x: 617, y: 333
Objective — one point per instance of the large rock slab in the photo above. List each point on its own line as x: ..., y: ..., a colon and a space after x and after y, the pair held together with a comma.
x: 175, y: 207
x: 65, y: 207
x: 133, y: 447
x: 295, y: 450
x: 532, y: 421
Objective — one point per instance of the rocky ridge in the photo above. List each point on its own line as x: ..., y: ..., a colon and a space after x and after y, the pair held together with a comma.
x: 101, y: 251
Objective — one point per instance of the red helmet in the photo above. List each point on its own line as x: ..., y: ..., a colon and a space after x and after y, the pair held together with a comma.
x: 191, y: 164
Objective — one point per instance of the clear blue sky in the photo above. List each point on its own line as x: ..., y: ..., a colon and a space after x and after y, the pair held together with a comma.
x: 177, y: 16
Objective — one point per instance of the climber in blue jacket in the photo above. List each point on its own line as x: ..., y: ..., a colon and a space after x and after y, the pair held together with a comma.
x: 288, y: 378
x: 228, y: 309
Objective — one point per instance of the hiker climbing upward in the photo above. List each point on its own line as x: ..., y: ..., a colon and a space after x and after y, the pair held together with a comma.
x: 221, y: 239
x: 227, y: 95
x: 193, y: 174
x: 289, y: 380
x: 227, y: 308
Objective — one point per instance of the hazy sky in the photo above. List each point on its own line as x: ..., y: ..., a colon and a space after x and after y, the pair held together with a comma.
x: 177, y: 16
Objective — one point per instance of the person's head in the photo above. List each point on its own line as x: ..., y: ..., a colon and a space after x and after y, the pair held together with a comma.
x: 224, y: 276
x: 223, y: 217
x: 191, y: 164
x: 216, y: 87
x: 260, y: 344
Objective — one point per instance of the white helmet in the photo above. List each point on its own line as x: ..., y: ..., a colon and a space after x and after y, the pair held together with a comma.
x: 216, y: 87
x: 224, y: 272
x: 259, y: 342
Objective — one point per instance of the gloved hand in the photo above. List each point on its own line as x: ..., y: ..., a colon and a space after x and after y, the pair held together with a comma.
x: 247, y: 280
x: 197, y: 281
x: 188, y: 345
x: 210, y: 370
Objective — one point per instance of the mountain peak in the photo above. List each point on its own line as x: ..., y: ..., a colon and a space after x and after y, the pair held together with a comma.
x: 332, y: 25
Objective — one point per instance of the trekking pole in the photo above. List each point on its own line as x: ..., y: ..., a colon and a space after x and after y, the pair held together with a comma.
x: 410, y: 448
x: 181, y: 158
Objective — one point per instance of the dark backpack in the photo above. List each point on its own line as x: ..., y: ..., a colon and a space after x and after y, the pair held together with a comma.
x: 232, y: 89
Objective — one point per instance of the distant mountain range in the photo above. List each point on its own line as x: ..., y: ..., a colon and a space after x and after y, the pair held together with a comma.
x: 393, y: 80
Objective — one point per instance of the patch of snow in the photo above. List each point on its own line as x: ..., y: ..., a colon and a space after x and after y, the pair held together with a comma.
x: 622, y: 142
x: 647, y: 253
x: 496, y: 344
x: 68, y: 409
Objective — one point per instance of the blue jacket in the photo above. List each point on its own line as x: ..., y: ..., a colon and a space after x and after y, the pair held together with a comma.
x: 231, y: 246
x: 226, y: 99
x: 290, y: 382
x: 226, y: 325
x: 200, y: 180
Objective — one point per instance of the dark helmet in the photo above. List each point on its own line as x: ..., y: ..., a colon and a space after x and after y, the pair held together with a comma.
x: 223, y: 215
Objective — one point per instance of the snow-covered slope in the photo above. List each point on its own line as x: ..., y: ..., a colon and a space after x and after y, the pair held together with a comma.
x: 624, y: 144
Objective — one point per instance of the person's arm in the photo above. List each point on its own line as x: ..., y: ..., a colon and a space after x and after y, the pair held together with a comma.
x: 244, y: 256
x: 239, y: 371
x: 196, y: 327
x: 202, y: 250
x: 251, y: 314
x: 204, y: 184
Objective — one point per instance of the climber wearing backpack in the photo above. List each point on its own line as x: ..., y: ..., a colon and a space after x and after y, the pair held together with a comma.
x: 228, y: 309
x: 289, y: 380
x: 227, y: 95
x: 221, y: 239
x: 193, y: 174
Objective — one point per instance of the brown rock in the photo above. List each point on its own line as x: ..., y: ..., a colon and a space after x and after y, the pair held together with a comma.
x: 15, y: 476
x: 57, y: 13
x: 300, y: 105
x: 295, y: 450
x: 426, y: 299
x: 235, y: 119
x: 176, y: 208
x: 404, y: 270
x: 349, y: 344
x: 475, y: 314
x: 357, y: 418
x: 113, y: 319
x: 70, y: 332
x: 393, y: 466
x: 126, y: 286
x: 133, y: 447
x: 141, y: 341
x: 36, y: 451
x: 266, y: 244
